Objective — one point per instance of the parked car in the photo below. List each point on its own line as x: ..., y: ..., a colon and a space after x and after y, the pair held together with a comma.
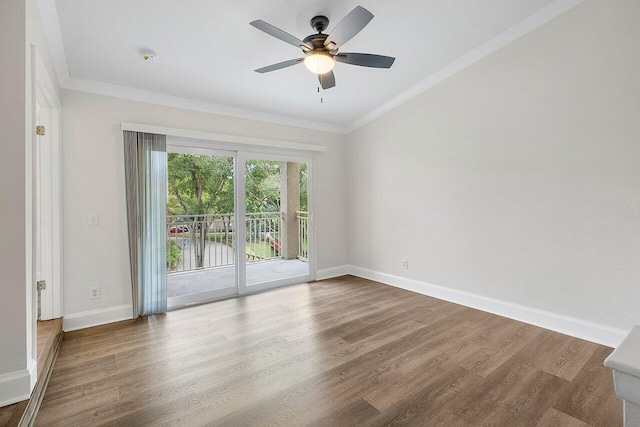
x: 178, y: 229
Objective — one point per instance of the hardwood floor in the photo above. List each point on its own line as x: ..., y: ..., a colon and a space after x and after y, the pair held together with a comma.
x: 10, y: 415
x: 341, y: 352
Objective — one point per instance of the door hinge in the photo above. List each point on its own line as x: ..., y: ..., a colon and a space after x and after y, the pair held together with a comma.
x: 41, y: 285
x: 40, y: 130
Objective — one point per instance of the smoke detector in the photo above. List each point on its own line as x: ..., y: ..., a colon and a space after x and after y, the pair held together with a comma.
x: 149, y: 56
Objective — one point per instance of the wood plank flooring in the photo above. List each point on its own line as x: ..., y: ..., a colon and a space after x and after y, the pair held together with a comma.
x: 10, y: 415
x: 340, y: 352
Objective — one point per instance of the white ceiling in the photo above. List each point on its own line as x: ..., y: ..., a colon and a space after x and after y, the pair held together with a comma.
x: 208, y: 50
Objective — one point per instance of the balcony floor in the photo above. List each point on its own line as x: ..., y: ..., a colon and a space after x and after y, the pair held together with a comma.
x: 194, y: 282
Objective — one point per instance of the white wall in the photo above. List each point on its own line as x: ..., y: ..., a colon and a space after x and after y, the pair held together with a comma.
x: 20, y: 29
x: 13, y: 81
x: 518, y: 178
x: 93, y: 181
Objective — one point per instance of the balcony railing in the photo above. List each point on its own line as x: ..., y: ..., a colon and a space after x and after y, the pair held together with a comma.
x: 303, y: 235
x: 200, y: 242
x: 196, y: 242
x: 264, y: 238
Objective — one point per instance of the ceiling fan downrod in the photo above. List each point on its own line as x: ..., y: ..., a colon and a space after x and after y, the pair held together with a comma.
x: 319, y: 23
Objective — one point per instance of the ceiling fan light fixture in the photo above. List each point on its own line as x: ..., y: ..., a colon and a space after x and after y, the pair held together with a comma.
x: 319, y: 62
x: 321, y: 50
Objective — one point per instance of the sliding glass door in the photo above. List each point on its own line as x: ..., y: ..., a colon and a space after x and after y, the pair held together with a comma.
x: 237, y: 223
x: 201, y: 225
x: 277, y: 221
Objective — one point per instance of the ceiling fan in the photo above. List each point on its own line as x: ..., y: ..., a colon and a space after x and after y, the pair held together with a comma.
x: 321, y: 50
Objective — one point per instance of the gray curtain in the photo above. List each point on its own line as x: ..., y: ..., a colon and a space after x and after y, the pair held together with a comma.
x: 145, y: 157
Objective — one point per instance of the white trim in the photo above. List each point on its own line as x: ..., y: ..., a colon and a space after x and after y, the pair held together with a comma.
x: 17, y: 386
x: 244, y: 288
x: 627, y: 387
x: 240, y: 208
x: 49, y: 102
x: 625, y: 357
x: 57, y: 211
x: 51, y: 25
x: 30, y: 213
x: 186, y: 149
x: 43, y: 210
x: 277, y: 283
x: 125, y: 92
x: 45, y: 84
x: 276, y: 156
x: 312, y: 235
x: 536, y: 20
x: 87, y: 319
x: 578, y: 328
x: 329, y: 273
x: 181, y: 301
x: 218, y: 137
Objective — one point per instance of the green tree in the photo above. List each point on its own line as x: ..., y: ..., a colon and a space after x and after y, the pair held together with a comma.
x: 263, y: 186
x: 200, y: 185
x: 304, y: 179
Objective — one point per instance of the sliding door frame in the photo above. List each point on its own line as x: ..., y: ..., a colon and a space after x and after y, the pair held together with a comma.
x: 203, y: 297
x: 240, y: 154
x: 243, y: 156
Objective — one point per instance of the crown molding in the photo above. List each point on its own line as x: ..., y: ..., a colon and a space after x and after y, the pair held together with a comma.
x: 124, y: 92
x: 51, y: 25
x: 536, y: 20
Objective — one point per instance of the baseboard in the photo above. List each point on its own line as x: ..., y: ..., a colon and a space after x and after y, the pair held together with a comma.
x: 579, y: 328
x: 328, y: 273
x: 16, y: 386
x: 87, y: 319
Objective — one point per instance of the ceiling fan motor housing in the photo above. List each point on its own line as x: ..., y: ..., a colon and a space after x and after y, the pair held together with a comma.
x: 318, y: 23
x: 316, y: 41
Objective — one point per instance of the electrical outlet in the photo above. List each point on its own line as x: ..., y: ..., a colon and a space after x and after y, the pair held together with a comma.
x: 94, y: 292
x: 405, y: 264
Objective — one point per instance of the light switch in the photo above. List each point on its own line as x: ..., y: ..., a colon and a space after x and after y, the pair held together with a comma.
x: 94, y: 219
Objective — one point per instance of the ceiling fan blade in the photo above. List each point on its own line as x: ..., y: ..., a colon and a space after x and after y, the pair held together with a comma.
x: 327, y: 80
x: 279, y: 65
x: 346, y: 29
x: 279, y: 34
x: 365, y: 60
